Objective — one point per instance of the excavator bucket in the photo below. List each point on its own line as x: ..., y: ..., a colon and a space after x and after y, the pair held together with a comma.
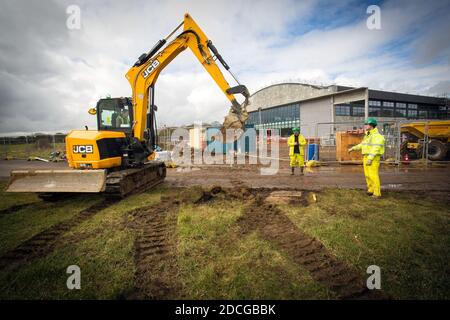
x: 237, y: 116
x: 235, y: 120
x: 53, y: 181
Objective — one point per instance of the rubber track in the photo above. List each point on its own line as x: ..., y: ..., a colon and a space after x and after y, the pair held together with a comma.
x: 131, y: 181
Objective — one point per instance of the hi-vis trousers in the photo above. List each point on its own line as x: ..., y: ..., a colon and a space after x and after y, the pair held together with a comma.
x: 372, y: 177
x: 297, y: 157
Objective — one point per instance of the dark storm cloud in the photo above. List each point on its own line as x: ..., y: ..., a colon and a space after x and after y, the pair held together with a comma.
x: 31, y: 30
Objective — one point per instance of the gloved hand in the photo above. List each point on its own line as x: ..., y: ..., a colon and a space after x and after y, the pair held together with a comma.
x: 350, y: 150
x: 369, y: 162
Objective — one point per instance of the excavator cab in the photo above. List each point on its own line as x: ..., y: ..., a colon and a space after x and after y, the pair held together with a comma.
x: 113, y: 144
x: 115, y: 114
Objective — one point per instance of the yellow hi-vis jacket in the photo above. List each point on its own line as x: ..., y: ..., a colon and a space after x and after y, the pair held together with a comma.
x: 291, y: 144
x: 372, y: 144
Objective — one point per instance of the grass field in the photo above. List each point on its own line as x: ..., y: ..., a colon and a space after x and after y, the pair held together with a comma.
x: 210, y: 248
x: 24, y: 151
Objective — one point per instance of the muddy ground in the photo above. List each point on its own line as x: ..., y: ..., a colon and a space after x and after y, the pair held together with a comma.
x: 155, y: 257
x: 262, y: 214
x: 413, y: 177
x: 156, y: 274
x: 346, y: 176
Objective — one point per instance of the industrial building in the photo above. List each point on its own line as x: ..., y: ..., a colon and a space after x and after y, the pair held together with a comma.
x: 287, y: 105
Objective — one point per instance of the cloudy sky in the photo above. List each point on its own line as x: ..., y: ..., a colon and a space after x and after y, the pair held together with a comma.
x: 50, y: 75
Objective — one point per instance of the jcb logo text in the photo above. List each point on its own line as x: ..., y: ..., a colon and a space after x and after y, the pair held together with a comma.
x: 83, y: 149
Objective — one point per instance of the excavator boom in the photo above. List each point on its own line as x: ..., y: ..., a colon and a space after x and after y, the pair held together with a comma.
x: 144, y: 73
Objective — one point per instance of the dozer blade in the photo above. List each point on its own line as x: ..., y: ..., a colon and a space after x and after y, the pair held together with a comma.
x: 52, y: 181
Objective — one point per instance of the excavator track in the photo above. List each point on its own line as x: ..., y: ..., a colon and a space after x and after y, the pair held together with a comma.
x: 122, y: 183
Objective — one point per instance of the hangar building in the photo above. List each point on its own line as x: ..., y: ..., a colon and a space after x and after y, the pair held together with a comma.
x: 286, y: 105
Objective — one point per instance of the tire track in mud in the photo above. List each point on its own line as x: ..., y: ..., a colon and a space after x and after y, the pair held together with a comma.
x: 39, y: 204
x: 44, y: 242
x: 306, y: 251
x: 15, y: 208
x: 309, y: 253
x: 155, y: 250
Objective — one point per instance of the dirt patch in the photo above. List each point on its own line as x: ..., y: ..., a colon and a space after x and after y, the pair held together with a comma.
x: 208, y: 195
x: 155, y: 250
x: 240, y: 192
x: 44, y: 242
x: 286, y: 197
x: 309, y: 253
x: 244, y: 193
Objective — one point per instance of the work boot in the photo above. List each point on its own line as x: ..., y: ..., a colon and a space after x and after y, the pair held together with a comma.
x: 369, y: 193
x: 375, y: 197
x: 292, y: 171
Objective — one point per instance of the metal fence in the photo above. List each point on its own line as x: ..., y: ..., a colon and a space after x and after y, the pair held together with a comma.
x: 405, y: 141
x: 335, y: 138
x: 329, y: 142
x: 165, y: 141
x: 34, y: 146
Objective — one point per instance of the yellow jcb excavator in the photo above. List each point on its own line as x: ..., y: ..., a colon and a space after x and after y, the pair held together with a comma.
x: 115, y: 159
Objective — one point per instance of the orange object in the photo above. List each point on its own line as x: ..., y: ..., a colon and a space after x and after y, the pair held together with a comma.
x: 344, y: 141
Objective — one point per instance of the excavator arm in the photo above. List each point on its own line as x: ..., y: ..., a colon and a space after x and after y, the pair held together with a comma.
x: 144, y: 74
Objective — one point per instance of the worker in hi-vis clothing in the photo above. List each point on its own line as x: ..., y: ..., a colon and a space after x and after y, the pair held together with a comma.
x: 296, y: 143
x: 372, y: 148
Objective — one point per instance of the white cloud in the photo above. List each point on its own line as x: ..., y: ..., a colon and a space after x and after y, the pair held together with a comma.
x: 50, y: 75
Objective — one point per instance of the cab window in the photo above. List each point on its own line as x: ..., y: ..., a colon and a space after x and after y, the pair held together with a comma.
x: 114, y: 115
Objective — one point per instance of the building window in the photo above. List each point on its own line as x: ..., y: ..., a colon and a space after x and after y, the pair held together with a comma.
x: 374, y: 111
x: 342, y: 110
x: 412, y: 114
x: 412, y: 111
x: 433, y: 114
x: 358, y: 111
x: 400, y: 113
x: 400, y: 110
x: 443, y: 112
x: 423, y: 114
x: 387, y: 110
x: 277, y: 117
x: 374, y: 103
